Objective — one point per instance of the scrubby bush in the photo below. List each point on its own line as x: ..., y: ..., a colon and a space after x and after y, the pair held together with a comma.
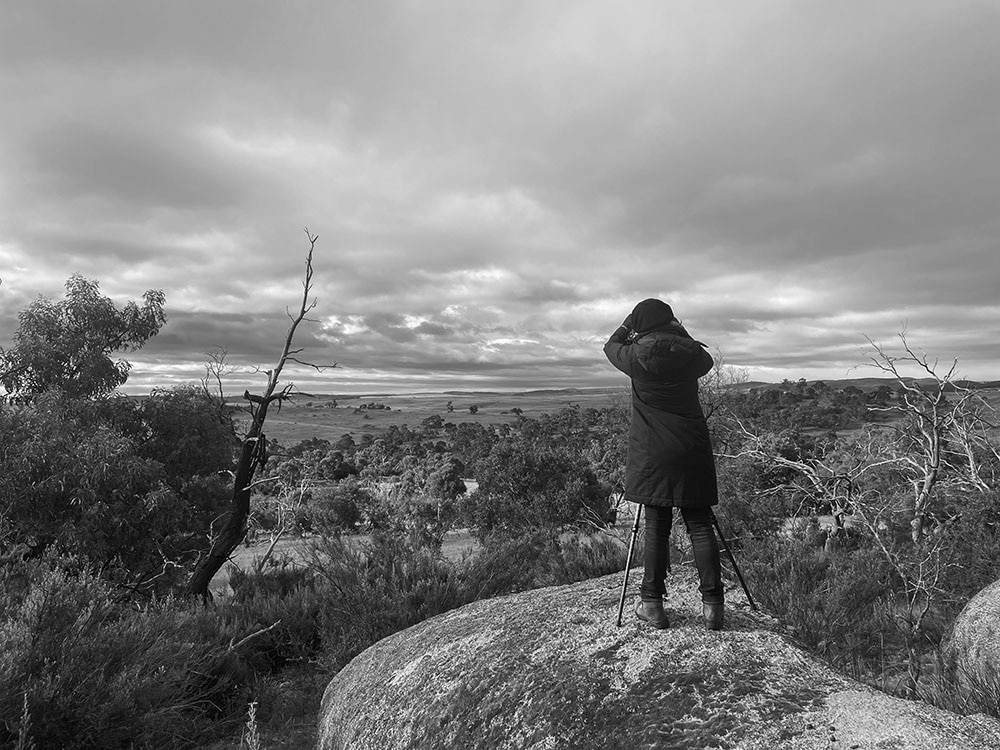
x: 95, y: 674
x: 833, y: 603
x: 372, y: 589
x: 339, y: 508
x: 973, y: 547
x: 584, y: 556
x: 280, y: 603
x: 100, y: 672
x: 526, y: 485
x: 111, y: 480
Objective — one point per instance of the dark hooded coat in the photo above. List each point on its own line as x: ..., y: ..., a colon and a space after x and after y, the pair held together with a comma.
x: 670, y: 461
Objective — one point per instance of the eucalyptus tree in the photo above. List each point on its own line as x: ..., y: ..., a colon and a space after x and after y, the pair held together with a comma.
x: 70, y: 345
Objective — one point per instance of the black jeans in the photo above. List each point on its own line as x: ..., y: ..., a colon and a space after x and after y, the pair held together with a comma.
x: 657, y: 551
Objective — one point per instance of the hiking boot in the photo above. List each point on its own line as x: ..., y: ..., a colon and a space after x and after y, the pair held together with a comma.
x: 651, y: 611
x: 714, y: 615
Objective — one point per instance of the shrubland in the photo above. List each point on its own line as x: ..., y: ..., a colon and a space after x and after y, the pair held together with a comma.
x: 868, y: 543
x: 862, y: 519
x: 108, y: 503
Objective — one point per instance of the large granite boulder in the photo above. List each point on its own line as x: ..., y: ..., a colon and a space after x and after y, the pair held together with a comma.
x: 972, y: 650
x: 548, y: 669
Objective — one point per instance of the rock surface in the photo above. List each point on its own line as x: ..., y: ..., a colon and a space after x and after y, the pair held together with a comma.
x: 548, y: 669
x: 973, y: 647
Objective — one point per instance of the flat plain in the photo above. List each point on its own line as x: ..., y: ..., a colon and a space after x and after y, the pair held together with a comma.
x: 329, y: 417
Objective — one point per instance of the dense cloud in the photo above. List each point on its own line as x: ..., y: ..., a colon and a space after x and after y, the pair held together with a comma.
x: 495, y: 186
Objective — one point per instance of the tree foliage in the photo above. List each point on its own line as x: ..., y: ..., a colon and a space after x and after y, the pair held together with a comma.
x: 527, y: 486
x: 95, y: 478
x: 68, y: 345
x: 188, y: 431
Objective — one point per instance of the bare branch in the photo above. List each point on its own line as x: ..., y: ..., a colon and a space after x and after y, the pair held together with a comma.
x: 216, y: 369
x: 319, y: 368
x: 260, y: 482
x: 247, y: 639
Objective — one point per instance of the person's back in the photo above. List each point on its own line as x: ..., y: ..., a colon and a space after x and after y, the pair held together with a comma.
x: 669, y: 367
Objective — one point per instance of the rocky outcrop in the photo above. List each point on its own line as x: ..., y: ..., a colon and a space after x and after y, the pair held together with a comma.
x: 972, y: 650
x: 548, y: 669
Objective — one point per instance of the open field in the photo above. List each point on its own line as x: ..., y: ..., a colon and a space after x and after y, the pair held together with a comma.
x: 330, y: 417
x: 317, y: 416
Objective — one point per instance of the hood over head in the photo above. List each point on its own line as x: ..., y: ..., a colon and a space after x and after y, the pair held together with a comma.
x: 651, y: 315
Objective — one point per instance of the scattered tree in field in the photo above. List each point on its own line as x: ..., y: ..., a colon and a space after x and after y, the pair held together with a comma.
x: 68, y: 345
x: 432, y: 424
x: 253, y: 448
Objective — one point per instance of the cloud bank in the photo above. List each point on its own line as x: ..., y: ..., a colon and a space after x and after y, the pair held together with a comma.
x: 496, y: 185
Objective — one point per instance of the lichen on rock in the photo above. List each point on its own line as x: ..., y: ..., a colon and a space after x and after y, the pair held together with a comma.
x: 548, y: 669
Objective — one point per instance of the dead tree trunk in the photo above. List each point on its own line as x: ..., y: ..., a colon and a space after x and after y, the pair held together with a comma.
x: 253, y: 449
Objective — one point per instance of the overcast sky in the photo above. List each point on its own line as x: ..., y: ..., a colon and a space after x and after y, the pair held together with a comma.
x: 496, y: 184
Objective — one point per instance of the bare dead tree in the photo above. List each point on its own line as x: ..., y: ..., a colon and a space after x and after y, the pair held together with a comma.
x: 944, y: 427
x: 920, y: 570
x: 217, y: 369
x: 834, y: 479
x: 290, y: 498
x: 840, y: 480
x: 715, y: 392
x: 253, y: 447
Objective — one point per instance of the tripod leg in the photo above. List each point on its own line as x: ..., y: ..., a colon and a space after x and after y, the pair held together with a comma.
x: 732, y: 559
x: 628, y: 562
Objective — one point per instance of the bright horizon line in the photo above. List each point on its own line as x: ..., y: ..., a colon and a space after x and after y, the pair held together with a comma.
x: 510, y: 390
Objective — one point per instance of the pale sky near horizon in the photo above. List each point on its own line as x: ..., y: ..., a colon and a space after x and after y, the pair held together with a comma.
x: 496, y: 184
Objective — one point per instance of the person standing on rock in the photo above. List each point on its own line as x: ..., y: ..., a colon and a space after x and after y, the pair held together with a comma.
x: 670, y: 463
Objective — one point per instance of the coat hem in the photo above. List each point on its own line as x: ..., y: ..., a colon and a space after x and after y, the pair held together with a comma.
x: 670, y: 503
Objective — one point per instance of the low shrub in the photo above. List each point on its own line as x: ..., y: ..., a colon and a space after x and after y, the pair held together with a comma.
x: 834, y: 603
x: 97, y: 670
x: 370, y: 590
x: 100, y: 674
x: 581, y: 557
x: 280, y: 604
x: 973, y: 546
